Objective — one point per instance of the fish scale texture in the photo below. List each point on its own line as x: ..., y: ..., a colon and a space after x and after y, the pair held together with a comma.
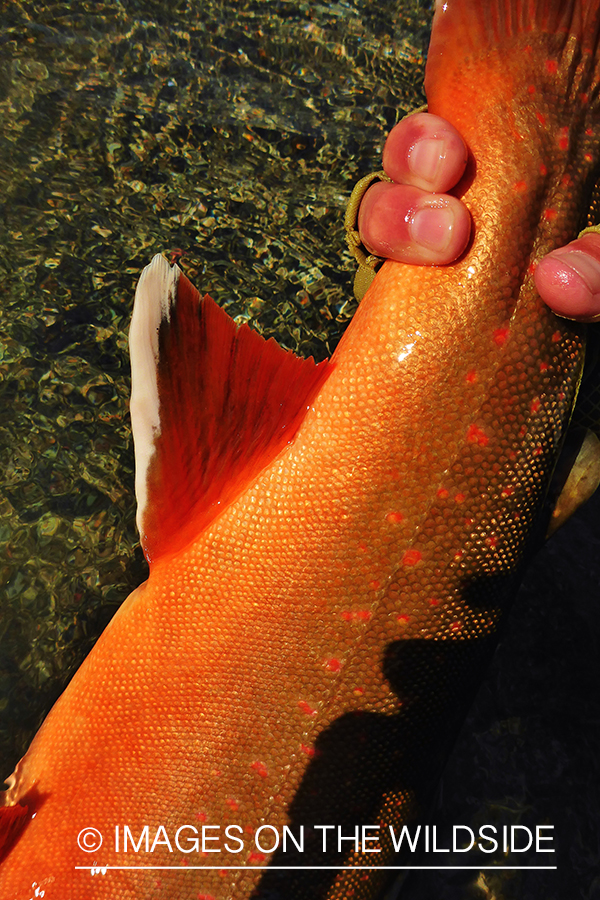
x: 307, y: 660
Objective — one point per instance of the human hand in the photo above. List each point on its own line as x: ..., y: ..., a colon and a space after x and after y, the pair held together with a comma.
x: 413, y: 220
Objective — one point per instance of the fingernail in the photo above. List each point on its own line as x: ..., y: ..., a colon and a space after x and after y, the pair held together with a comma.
x: 584, y: 265
x: 431, y: 226
x: 425, y: 158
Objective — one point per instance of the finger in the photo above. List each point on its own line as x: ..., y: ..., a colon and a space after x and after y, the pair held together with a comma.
x: 425, y: 151
x: 568, y: 279
x: 412, y: 226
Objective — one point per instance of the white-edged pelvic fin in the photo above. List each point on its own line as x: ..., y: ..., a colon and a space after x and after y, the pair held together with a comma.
x: 156, y: 291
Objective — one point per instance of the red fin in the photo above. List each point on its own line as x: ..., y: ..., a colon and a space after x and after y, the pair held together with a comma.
x: 13, y: 820
x: 227, y: 402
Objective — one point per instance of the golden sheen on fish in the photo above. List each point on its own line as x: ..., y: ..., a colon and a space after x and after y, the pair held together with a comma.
x: 331, y: 548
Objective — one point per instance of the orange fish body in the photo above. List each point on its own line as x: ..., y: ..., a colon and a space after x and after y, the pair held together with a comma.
x: 319, y: 608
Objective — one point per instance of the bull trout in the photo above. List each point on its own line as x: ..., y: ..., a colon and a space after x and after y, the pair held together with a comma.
x: 332, y: 547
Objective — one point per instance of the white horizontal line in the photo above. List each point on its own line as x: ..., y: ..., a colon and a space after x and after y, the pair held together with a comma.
x: 312, y: 868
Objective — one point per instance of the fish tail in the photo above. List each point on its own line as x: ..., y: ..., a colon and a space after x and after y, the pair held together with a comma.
x: 485, y: 53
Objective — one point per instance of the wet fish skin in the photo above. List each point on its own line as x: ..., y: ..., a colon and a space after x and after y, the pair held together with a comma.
x: 337, y: 613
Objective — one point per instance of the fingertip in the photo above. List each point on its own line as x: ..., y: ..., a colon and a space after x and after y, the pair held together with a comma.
x: 408, y: 225
x: 425, y: 151
x: 568, y: 280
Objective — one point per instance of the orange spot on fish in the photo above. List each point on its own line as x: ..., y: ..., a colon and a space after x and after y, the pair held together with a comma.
x: 549, y: 214
x: 459, y: 498
x: 306, y: 708
x: 232, y: 804
x: 442, y: 493
x: 551, y: 66
x: 535, y: 404
x: 357, y: 615
x: 520, y: 186
x: 404, y: 620
x: 411, y: 558
x: 588, y: 157
x: 333, y: 664
x: 543, y: 169
x: 500, y: 336
x: 476, y: 435
x: 394, y: 517
x: 260, y: 768
x: 471, y: 376
x: 541, y: 119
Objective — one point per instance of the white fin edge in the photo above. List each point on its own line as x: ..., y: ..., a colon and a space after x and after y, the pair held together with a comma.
x: 155, y: 292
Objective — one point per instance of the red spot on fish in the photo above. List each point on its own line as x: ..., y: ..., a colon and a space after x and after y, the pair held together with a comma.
x: 232, y: 804
x: 588, y: 157
x: 531, y: 268
x: 492, y: 541
x: 202, y: 817
x: 458, y: 555
x: 476, y: 435
x: 456, y: 626
x: 333, y: 664
x: 357, y: 615
x: 544, y: 366
x: 551, y: 66
x: 375, y: 585
x: 260, y: 768
x: 541, y: 119
x: 522, y: 431
x: 535, y: 404
x: 442, y: 493
x: 394, y: 517
x: 566, y: 180
x: 469, y: 522
x: 459, y: 498
x: 202, y: 896
x: 589, y: 131
x: 561, y: 395
x: 527, y: 49
x: 411, y: 558
x: 563, y: 142
x: 309, y: 751
x: 520, y: 186
x: 433, y: 602
x: 531, y: 88
x: 306, y: 708
x: 537, y: 451
x: 508, y: 491
x: 584, y: 97
x: 543, y: 169
x: 550, y: 214
x: 556, y: 337
x: 362, y: 547
x: 404, y: 620
x: 471, y: 376
x: 358, y: 691
x: 256, y: 857
x: 500, y: 336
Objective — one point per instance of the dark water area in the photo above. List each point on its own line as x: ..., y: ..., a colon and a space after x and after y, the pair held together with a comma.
x: 232, y: 134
